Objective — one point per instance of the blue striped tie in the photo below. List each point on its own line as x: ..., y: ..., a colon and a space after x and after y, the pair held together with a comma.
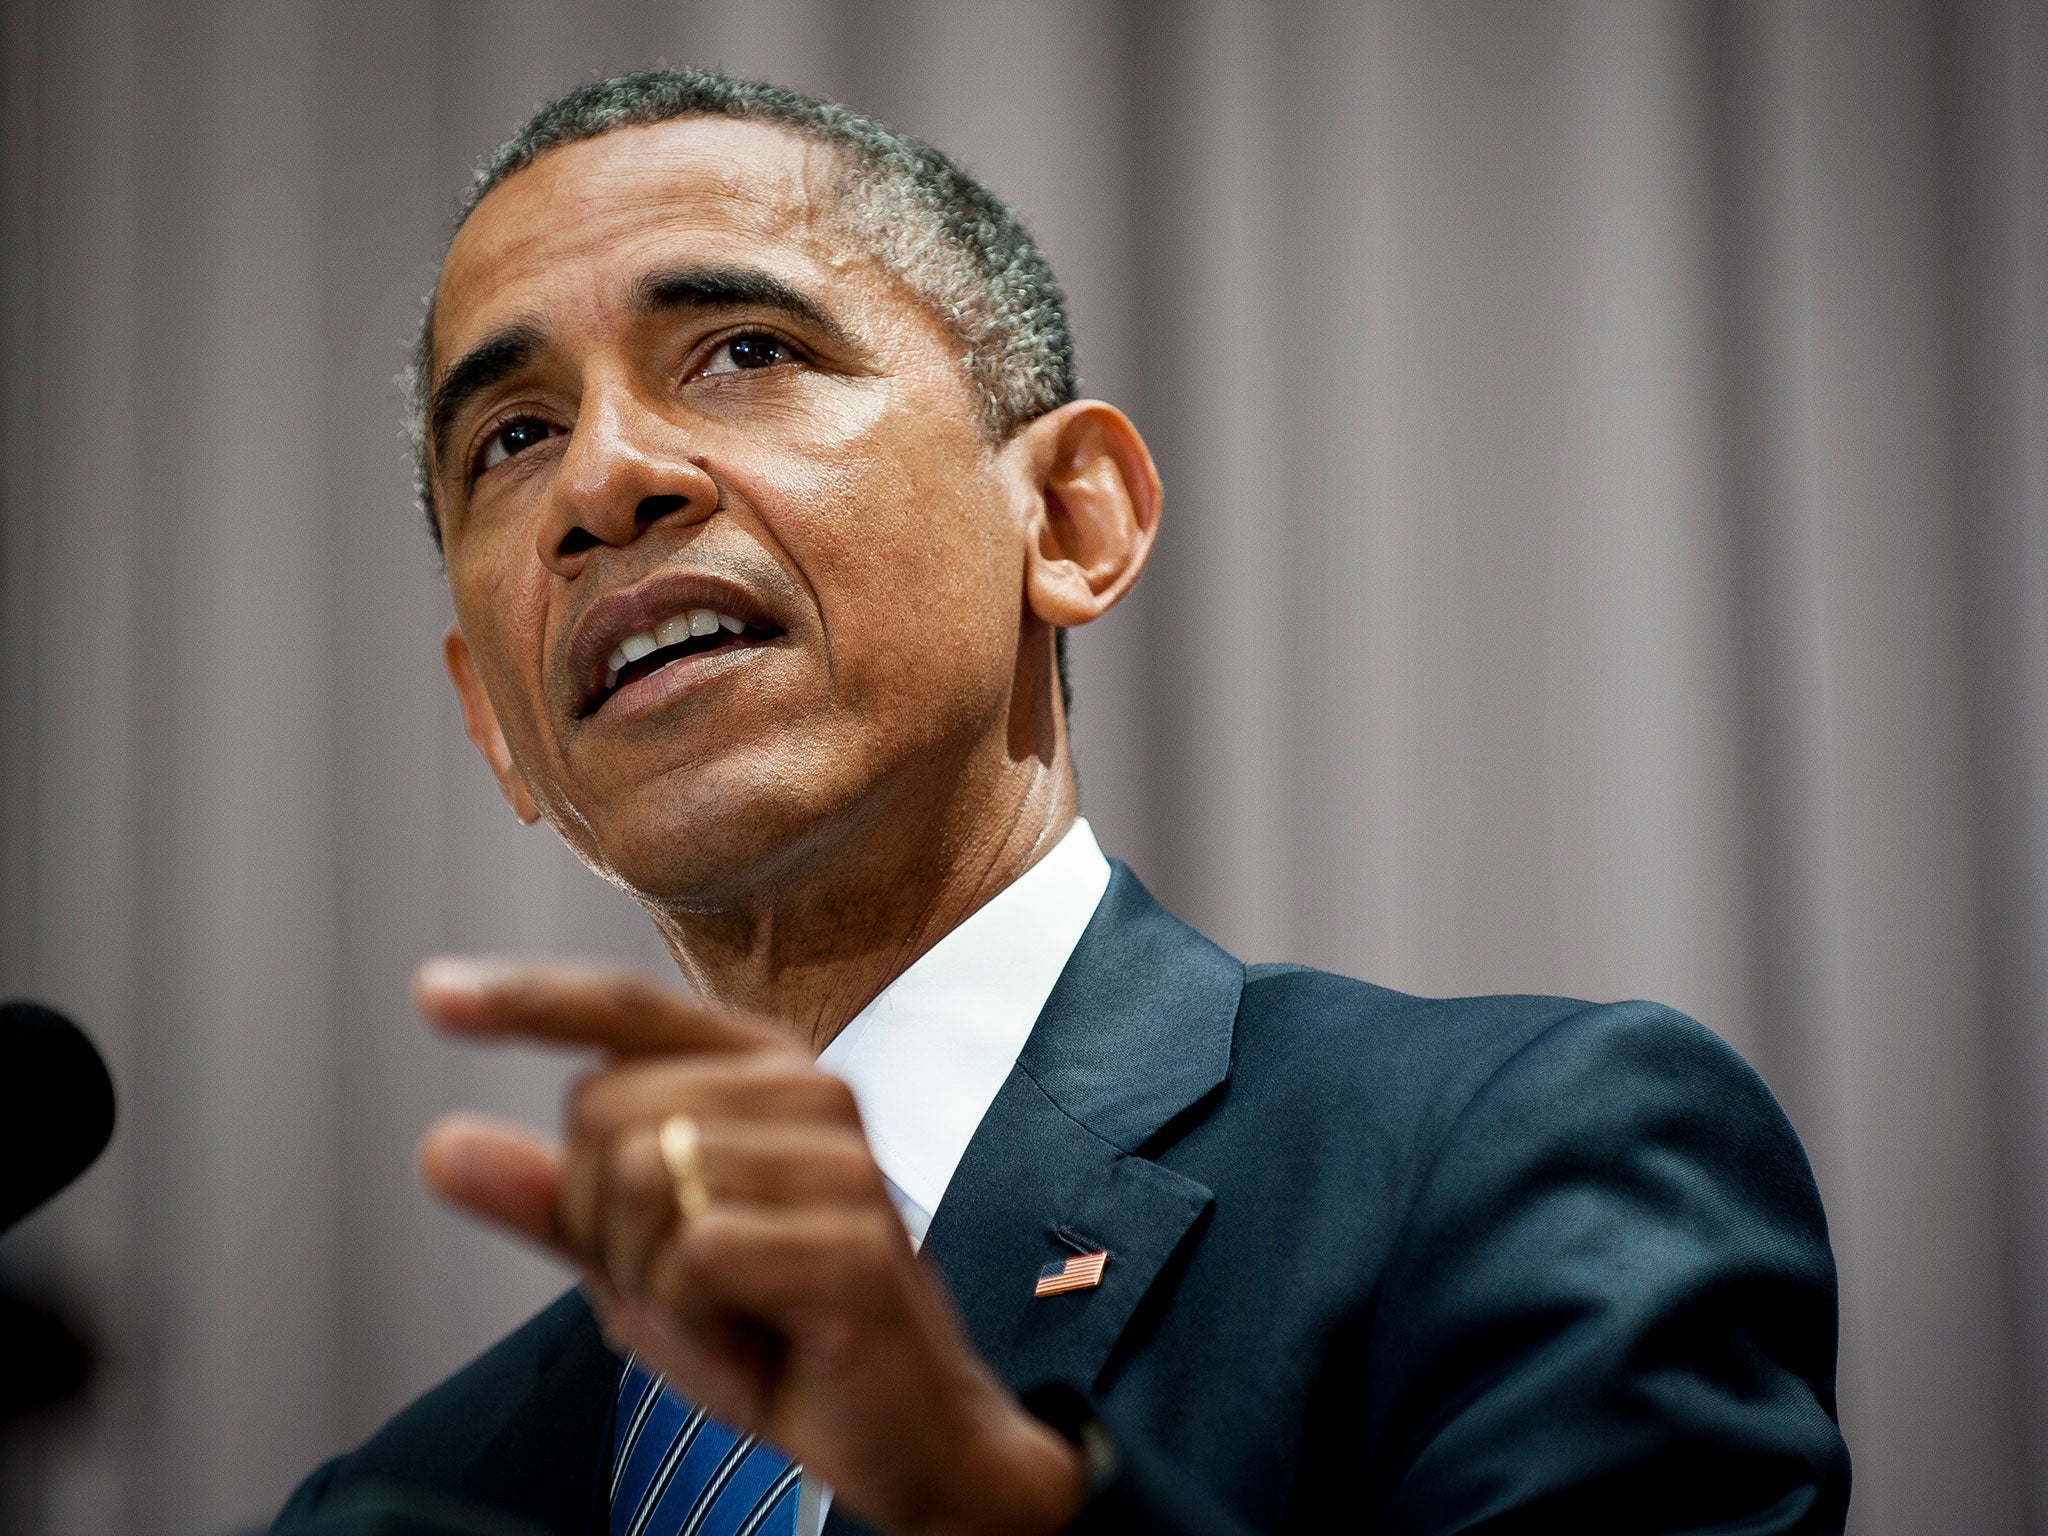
x: 676, y: 1471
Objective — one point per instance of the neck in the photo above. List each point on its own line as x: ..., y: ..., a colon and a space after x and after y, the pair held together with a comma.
x: 811, y: 948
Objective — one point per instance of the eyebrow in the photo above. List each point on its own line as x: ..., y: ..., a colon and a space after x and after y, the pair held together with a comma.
x: 732, y: 288
x: 496, y: 358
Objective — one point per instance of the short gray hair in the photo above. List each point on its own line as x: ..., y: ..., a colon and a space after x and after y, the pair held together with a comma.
x: 952, y: 242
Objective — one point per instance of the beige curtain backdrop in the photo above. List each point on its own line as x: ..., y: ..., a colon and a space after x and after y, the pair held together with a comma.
x: 1606, y: 553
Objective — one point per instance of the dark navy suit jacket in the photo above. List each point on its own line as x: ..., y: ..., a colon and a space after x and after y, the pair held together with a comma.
x: 1377, y: 1263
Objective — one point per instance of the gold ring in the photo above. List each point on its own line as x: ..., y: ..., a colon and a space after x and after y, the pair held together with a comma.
x: 680, y: 1142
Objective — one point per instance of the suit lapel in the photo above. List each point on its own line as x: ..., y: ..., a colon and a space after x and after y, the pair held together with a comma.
x: 1137, y: 1031
x: 551, y: 1462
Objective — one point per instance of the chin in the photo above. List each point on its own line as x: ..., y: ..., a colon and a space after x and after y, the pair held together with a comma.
x: 707, y: 845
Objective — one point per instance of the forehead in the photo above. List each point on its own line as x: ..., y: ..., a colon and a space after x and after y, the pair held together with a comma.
x: 581, y: 220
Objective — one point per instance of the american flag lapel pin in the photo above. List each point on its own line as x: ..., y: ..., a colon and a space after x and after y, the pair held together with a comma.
x: 1076, y: 1272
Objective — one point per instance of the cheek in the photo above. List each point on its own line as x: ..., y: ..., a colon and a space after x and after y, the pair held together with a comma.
x: 503, y: 608
x: 907, y: 549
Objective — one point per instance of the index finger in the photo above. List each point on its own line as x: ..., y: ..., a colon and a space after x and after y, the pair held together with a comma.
x: 608, y: 1007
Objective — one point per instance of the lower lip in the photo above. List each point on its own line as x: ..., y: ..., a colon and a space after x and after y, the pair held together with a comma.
x: 678, y: 679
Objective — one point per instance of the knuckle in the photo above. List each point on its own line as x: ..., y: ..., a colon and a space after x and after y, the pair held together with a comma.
x: 771, y: 1070
x: 637, y: 1164
x: 801, y: 1090
x: 702, y: 1244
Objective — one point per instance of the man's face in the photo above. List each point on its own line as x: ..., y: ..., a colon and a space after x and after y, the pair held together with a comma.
x: 669, y: 383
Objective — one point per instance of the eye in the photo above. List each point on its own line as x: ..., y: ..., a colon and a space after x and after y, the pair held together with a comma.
x: 515, y: 436
x: 747, y: 352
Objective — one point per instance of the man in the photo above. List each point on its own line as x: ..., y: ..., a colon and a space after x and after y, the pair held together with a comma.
x: 968, y: 1190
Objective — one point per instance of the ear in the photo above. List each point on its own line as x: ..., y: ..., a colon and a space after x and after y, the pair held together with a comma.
x: 480, y: 720
x: 1096, y: 515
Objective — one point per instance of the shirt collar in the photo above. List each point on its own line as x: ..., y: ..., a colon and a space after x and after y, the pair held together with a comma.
x: 927, y: 1057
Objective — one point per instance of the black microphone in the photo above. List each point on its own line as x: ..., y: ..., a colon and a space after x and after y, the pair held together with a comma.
x: 56, y: 1106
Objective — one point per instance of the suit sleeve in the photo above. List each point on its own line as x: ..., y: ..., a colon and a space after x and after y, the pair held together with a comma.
x: 515, y: 1441
x: 1610, y: 1308
x: 1612, y: 1304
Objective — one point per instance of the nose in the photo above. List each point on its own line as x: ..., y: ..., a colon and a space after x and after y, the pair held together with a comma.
x: 624, y: 470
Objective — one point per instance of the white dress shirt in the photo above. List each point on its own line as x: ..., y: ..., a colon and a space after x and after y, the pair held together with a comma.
x: 927, y: 1057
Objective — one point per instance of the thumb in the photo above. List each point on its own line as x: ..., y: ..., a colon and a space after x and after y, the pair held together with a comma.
x: 496, y: 1171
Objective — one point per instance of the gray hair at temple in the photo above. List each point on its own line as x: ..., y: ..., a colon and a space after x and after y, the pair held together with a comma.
x: 951, y: 241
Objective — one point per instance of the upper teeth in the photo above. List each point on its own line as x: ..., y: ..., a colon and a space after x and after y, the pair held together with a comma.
x: 684, y: 626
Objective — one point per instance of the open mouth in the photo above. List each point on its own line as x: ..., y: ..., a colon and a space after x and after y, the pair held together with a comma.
x: 697, y: 632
